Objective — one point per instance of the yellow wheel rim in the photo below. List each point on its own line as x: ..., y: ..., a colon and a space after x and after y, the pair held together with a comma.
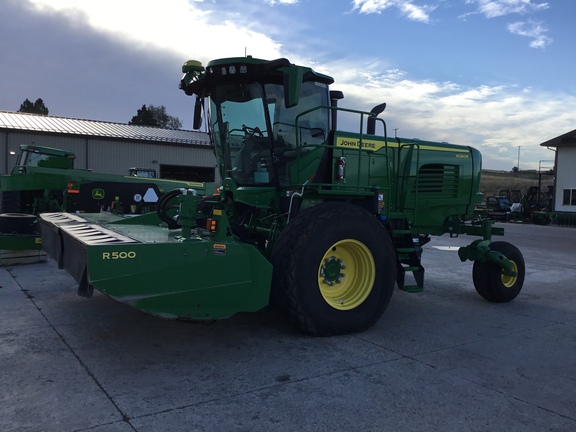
x: 509, y: 281
x: 346, y: 274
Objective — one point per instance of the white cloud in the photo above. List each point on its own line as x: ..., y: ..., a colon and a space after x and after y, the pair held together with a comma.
x: 288, y: 2
x: 174, y: 26
x: 533, y: 30
x: 494, y: 119
x: 406, y: 7
x: 496, y: 8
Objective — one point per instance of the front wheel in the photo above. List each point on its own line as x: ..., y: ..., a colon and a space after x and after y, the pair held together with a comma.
x: 489, y: 278
x: 334, y: 270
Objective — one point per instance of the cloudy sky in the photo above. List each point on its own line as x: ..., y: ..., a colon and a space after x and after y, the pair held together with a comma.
x: 494, y: 74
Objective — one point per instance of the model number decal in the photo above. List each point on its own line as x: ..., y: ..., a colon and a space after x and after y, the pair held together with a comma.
x: 462, y: 155
x: 118, y: 255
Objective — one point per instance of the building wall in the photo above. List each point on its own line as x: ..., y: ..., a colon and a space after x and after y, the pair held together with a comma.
x: 144, y: 155
x: 108, y: 155
x: 565, y: 176
x: 3, y: 153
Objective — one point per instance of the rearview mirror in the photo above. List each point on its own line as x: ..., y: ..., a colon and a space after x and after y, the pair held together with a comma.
x: 197, y: 113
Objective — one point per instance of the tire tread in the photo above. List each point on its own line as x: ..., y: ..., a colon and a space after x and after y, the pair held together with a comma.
x: 297, y: 236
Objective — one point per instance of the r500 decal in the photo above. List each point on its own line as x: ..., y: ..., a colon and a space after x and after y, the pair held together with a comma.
x: 118, y: 255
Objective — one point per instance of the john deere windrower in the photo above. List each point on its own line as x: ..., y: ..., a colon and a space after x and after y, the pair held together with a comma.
x: 319, y: 222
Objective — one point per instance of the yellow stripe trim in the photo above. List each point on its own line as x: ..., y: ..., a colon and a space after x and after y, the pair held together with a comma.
x: 375, y: 145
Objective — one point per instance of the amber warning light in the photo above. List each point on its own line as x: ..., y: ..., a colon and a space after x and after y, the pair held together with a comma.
x: 211, y: 224
x: 73, y: 187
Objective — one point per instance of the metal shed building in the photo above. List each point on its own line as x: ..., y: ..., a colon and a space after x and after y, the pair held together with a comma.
x: 111, y: 147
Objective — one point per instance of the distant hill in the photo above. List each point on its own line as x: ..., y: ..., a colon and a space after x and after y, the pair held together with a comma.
x: 492, y: 182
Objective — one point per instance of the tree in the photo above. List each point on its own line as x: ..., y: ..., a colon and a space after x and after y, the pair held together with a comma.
x: 515, y: 170
x: 155, y: 116
x: 37, y: 107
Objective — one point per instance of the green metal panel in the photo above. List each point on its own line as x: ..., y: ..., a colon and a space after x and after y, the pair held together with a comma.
x: 195, y: 280
x: 20, y: 242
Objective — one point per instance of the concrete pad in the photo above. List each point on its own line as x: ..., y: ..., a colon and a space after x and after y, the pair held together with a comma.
x: 174, y: 364
x: 401, y: 395
x: 426, y: 323
x: 443, y: 359
x: 523, y: 365
x: 44, y: 386
x: 17, y: 312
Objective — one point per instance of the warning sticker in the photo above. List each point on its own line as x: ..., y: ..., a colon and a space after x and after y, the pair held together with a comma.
x: 150, y: 196
x: 219, y: 249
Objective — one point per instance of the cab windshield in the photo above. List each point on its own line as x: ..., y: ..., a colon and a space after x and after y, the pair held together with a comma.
x: 33, y: 158
x: 254, y: 134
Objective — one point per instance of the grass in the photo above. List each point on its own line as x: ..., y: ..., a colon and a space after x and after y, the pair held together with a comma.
x: 492, y: 182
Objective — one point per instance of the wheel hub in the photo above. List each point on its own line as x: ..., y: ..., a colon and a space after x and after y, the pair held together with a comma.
x: 509, y: 281
x: 331, y: 270
x: 346, y: 274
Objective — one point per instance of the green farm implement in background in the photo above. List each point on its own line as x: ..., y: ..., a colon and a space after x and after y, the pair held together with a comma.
x: 44, y: 180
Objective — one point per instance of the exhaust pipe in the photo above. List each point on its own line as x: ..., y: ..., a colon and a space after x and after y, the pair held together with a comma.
x: 371, y: 125
x: 335, y: 96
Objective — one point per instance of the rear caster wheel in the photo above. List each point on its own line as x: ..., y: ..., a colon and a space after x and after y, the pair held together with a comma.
x: 489, y: 278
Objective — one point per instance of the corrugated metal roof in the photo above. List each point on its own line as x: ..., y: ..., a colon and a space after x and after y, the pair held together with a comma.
x: 63, y: 125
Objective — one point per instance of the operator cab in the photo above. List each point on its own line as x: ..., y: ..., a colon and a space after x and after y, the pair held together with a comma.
x: 262, y: 116
x: 142, y: 172
x: 44, y: 157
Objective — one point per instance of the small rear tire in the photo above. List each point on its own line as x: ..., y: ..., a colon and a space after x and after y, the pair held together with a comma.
x: 489, y: 278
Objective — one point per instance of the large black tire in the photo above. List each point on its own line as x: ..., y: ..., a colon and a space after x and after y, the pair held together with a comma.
x: 18, y: 223
x: 9, y: 201
x: 334, y: 270
x: 491, y: 282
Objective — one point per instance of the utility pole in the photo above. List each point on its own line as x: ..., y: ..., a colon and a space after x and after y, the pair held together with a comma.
x: 518, y: 164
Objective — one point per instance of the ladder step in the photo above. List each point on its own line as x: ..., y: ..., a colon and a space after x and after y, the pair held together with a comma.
x: 412, y: 288
x: 405, y: 250
x: 411, y: 268
x: 400, y: 232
